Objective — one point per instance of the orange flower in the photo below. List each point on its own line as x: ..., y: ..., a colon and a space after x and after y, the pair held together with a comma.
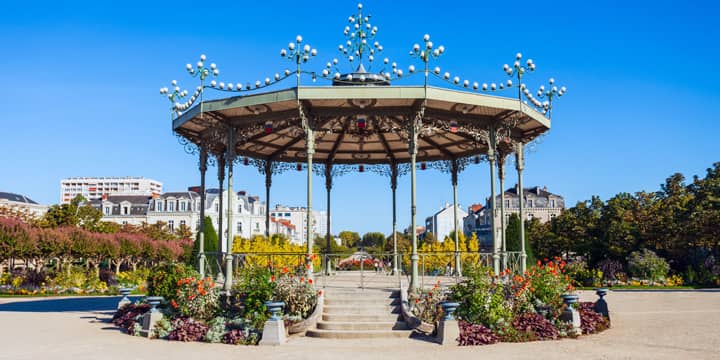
x: 272, y: 278
x: 173, y: 304
x: 310, y: 281
x: 302, y: 279
x: 538, y: 263
x: 285, y: 270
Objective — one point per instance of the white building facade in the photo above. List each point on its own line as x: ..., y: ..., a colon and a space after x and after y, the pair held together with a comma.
x: 93, y: 188
x: 22, y: 204
x: 297, y: 216
x: 441, y: 224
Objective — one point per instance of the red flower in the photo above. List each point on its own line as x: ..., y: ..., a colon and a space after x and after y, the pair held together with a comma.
x: 310, y: 281
x: 272, y: 278
x: 173, y: 304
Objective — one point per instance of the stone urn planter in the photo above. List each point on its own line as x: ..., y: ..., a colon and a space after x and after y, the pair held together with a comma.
x: 570, y: 314
x: 275, y: 308
x: 125, y: 300
x: 449, y: 309
x: 154, y: 301
x: 569, y: 299
x: 601, y: 306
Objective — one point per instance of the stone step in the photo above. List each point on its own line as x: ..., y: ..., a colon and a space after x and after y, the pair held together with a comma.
x: 382, y: 317
x: 378, y: 325
x: 357, y: 334
x: 359, y: 301
x: 374, y: 309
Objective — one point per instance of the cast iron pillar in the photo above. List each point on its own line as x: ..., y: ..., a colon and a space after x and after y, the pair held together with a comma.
x: 328, y: 235
x: 221, y: 182
x: 393, y: 187
x: 231, y: 194
x: 414, y: 128
x: 519, y: 165
x: 201, y: 229
x: 491, y: 158
x: 268, y: 184
x: 503, y: 222
x: 454, y: 173
x: 310, y: 141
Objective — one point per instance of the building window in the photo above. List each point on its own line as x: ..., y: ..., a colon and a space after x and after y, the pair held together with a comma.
x: 158, y: 205
x: 171, y: 225
x: 217, y: 207
x: 552, y: 203
x: 287, y: 214
x: 257, y: 226
x: 126, y: 210
x: 239, y: 208
x: 552, y: 216
x: 507, y: 203
x: 182, y: 206
x: 272, y: 214
x: 182, y: 222
x: 171, y: 206
x: 239, y: 228
x: 530, y: 203
x: 107, y: 210
x: 124, y: 222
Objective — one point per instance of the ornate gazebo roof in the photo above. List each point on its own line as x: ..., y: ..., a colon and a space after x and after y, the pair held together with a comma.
x: 360, y: 124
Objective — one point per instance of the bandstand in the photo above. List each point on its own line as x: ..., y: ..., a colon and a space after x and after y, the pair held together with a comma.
x: 360, y: 122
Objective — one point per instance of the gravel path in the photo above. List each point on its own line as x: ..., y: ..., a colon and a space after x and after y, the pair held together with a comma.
x: 646, y: 325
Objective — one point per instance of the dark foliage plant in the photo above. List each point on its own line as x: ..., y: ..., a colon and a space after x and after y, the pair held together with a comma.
x: 126, y: 316
x: 187, y: 329
x: 610, y: 268
x: 590, y: 321
x: 536, y: 327
x: 475, y: 334
x: 233, y: 337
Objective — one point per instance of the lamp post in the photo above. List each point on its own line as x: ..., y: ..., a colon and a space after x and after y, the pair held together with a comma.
x: 425, y: 55
x: 300, y: 54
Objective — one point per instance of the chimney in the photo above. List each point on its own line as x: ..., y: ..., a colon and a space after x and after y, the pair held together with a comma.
x: 545, y: 188
x: 537, y: 190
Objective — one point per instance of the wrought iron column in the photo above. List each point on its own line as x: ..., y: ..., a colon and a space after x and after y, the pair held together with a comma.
x: 491, y: 158
x: 503, y: 224
x: 201, y: 229
x: 268, y: 183
x: 413, y: 209
x: 393, y: 186
x: 231, y: 194
x: 221, y: 181
x: 310, y: 141
x: 454, y: 174
x: 328, y: 187
x: 519, y: 165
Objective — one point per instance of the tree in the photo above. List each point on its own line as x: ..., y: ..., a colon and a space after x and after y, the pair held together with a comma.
x: 349, y: 239
x: 512, y: 233
x: 373, y: 239
x: 77, y: 213
x: 429, y: 238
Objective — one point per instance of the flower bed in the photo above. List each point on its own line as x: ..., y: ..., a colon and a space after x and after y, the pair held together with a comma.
x: 505, y: 308
x: 194, y: 310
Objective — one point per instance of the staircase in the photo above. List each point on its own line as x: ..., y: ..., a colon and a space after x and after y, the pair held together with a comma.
x: 350, y: 313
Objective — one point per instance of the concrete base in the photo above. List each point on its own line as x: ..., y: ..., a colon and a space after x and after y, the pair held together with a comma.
x: 148, y: 322
x: 448, y: 332
x: 570, y: 315
x: 273, y: 333
x: 123, y: 302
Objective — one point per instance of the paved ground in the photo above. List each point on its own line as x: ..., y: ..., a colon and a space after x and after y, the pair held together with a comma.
x: 646, y: 325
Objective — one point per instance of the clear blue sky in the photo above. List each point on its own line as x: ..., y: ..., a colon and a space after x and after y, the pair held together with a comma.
x: 79, y: 94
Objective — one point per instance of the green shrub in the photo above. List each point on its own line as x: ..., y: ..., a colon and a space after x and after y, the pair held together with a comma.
x: 163, y: 279
x: 253, y: 288
x: 483, y: 300
x: 646, y: 264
